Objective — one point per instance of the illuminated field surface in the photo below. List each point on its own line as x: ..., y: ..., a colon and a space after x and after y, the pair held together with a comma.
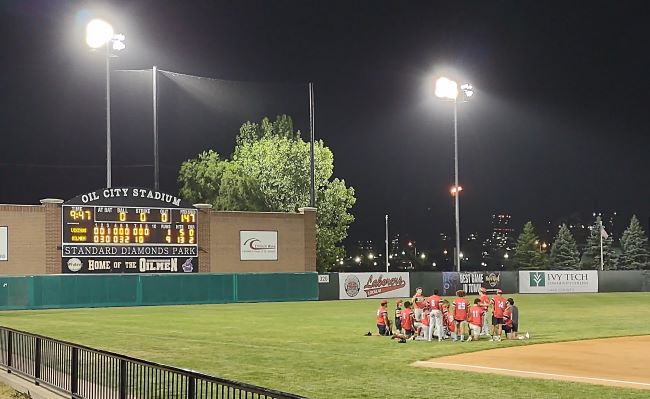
x: 317, y: 349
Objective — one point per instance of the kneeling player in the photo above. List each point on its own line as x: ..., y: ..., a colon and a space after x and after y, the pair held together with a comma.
x: 475, y: 320
x: 408, y: 319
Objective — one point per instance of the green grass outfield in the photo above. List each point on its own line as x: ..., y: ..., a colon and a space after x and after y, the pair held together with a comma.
x: 317, y: 349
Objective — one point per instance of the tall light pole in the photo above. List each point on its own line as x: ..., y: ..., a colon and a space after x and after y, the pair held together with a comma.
x: 448, y: 89
x: 99, y: 34
x: 387, y: 255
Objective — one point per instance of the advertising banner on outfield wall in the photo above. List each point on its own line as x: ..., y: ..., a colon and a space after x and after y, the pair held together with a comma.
x: 373, y: 285
x: 470, y: 282
x: 557, y: 281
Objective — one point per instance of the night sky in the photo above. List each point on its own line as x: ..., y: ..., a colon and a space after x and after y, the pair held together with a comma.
x: 559, y: 125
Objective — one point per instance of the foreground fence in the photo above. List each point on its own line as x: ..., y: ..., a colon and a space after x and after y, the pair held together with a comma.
x: 86, y: 373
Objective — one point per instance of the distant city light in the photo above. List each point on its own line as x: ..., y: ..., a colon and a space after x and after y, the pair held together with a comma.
x: 423, y: 256
x: 357, y: 259
x: 371, y: 256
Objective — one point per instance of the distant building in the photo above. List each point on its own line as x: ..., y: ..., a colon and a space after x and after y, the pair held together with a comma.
x: 502, y: 232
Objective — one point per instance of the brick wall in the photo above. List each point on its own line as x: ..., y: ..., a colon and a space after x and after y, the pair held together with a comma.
x: 26, y: 237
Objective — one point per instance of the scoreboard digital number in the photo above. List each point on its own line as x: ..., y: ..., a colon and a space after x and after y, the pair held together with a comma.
x: 128, y: 230
x: 124, y: 225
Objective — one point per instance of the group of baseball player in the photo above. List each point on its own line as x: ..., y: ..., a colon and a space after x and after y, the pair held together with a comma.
x: 429, y: 318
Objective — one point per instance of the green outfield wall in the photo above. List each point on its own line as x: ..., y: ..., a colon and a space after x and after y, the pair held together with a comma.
x: 78, y: 291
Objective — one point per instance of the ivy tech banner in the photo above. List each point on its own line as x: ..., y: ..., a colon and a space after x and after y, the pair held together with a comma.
x: 560, y: 281
x: 470, y: 282
x: 373, y: 285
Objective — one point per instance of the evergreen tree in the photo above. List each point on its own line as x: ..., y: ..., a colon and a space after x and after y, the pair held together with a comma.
x: 634, y: 244
x: 592, y: 251
x: 564, y: 253
x: 527, y: 252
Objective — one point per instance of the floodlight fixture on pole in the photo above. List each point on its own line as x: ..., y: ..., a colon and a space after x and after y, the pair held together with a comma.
x: 448, y: 89
x: 100, y: 33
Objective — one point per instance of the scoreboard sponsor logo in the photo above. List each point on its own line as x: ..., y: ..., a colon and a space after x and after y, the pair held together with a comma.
x: 130, y: 265
x: 375, y: 285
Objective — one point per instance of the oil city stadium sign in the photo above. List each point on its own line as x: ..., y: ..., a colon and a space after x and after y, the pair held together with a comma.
x: 557, y: 281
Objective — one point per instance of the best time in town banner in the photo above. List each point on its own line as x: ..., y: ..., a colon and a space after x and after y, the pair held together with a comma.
x: 470, y: 282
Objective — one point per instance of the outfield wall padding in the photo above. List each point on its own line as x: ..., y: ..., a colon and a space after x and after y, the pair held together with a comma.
x: 329, y: 291
x: 624, y: 281
x: 79, y: 291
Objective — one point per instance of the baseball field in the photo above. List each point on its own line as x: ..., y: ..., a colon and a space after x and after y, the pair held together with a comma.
x: 318, y: 349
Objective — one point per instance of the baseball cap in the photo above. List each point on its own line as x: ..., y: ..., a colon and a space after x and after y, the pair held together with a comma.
x: 483, y: 289
x: 499, y: 291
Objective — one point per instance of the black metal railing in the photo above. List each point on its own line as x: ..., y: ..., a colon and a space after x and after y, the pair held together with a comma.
x: 87, y: 373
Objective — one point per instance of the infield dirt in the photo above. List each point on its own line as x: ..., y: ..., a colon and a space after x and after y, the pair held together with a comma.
x: 620, y: 362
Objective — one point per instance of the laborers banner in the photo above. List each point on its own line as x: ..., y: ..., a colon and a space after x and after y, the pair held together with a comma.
x: 558, y: 281
x: 373, y: 285
x: 470, y: 282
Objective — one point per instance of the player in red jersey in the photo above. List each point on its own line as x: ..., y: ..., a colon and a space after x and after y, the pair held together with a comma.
x: 419, y: 302
x: 424, y: 326
x: 383, y: 324
x: 485, y: 304
x: 408, y: 319
x: 498, y: 306
x: 461, y: 305
x: 398, y: 315
x: 450, y: 323
x: 475, y: 320
x: 435, y: 316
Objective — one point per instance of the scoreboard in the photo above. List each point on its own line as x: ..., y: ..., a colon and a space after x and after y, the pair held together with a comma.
x: 131, y: 233
x: 124, y: 225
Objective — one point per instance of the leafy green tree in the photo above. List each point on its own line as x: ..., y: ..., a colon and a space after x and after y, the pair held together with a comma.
x: 528, y: 254
x: 269, y: 171
x: 591, y: 260
x: 564, y: 253
x: 634, y: 244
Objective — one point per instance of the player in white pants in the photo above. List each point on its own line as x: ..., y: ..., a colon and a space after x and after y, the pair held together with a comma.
x: 485, y: 304
x: 435, y: 316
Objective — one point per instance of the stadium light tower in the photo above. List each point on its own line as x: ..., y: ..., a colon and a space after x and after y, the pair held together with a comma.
x: 100, y: 34
x: 448, y: 89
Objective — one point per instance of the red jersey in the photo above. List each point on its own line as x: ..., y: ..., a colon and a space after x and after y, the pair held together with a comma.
x: 407, y: 316
x: 451, y: 325
x: 425, y: 318
x: 507, y: 317
x: 475, y: 315
x: 434, y: 302
x: 461, y: 305
x: 485, y: 301
x: 382, y: 314
x: 419, y: 301
x: 499, y: 303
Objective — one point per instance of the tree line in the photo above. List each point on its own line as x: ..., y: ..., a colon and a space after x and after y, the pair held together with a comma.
x: 632, y: 254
